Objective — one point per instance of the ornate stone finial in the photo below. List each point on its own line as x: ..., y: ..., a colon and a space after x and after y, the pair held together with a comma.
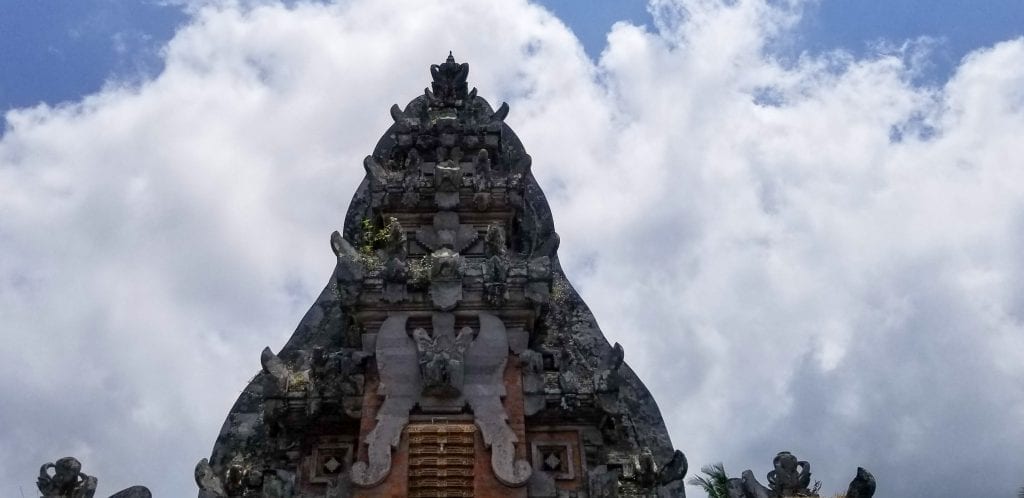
x: 476, y: 241
x: 67, y: 480
x: 449, y: 85
x: 790, y: 477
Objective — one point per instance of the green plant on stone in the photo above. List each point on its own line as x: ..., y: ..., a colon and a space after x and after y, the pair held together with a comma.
x: 714, y: 482
x: 419, y: 270
x: 559, y: 289
x: 372, y: 237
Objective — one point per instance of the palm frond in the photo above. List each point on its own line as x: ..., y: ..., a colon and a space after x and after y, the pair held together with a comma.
x: 713, y: 482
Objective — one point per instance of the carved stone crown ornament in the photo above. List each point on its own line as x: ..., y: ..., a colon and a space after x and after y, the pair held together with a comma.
x: 448, y: 355
x: 792, y: 478
x: 65, y: 479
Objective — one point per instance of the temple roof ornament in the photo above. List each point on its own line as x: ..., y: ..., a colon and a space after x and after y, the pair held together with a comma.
x: 65, y: 479
x: 448, y: 308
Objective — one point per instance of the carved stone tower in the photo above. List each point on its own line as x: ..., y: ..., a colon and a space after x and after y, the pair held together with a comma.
x: 448, y: 355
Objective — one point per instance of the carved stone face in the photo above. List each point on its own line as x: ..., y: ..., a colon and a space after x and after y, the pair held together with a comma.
x: 441, y: 360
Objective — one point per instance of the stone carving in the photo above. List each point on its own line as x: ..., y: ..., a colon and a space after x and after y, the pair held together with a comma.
x: 532, y: 364
x: 636, y: 474
x: 133, y: 492
x: 640, y: 471
x: 482, y: 181
x: 380, y: 176
x: 210, y: 486
x: 396, y: 271
x: 447, y: 167
x: 790, y: 477
x: 65, y: 479
x: 441, y: 357
x: 400, y: 386
x: 447, y: 178
x: 538, y: 288
x: 240, y: 480
x: 446, y: 278
x: 674, y: 470
x: 278, y: 484
x: 348, y: 274
x: 735, y: 489
x: 290, y: 401
x: 410, y: 194
x: 449, y: 85
x: 343, y: 373
x: 602, y: 482
x: 496, y: 266
x: 862, y: 486
x: 447, y: 232
x: 754, y: 489
x: 606, y: 381
x: 484, y: 389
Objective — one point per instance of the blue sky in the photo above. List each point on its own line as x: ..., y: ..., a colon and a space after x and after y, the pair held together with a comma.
x: 58, y: 50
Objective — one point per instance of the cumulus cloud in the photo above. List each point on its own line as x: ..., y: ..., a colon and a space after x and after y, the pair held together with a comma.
x: 814, y: 254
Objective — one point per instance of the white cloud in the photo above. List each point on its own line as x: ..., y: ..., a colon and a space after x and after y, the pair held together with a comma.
x: 815, y: 255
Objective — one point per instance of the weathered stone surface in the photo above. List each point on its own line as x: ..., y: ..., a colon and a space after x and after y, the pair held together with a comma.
x: 65, y: 479
x: 400, y: 385
x: 447, y: 301
x: 542, y: 485
x: 133, y: 492
x: 792, y: 478
x: 442, y: 356
x: 862, y: 486
x: 484, y: 389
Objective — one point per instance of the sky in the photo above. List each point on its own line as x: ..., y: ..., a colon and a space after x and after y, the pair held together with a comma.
x: 802, y: 219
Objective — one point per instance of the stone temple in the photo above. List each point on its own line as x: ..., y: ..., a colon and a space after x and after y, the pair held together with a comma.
x: 448, y: 355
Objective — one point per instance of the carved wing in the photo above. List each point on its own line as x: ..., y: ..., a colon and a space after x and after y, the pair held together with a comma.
x: 424, y: 342
x: 400, y: 384
x: 463, y: 340
x: 484, y: 388
x: 273, y: 365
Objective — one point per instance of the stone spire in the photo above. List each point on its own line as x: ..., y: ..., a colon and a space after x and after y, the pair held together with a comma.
x: 448, y: 355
